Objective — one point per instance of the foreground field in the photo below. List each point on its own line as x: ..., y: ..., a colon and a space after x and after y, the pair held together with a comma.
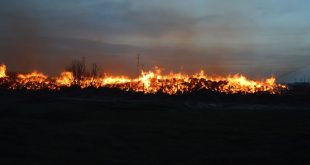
x: 87, y: 129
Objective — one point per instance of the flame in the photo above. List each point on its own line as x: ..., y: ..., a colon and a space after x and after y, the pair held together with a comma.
x: 66, y: 79
x: 2, y: 71
x: 239, y: 83
x: 149, y: 82
x: 32, y: 81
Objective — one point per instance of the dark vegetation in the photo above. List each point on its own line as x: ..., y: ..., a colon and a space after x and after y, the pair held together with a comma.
x: 110, y: 126
x: 79, y: 70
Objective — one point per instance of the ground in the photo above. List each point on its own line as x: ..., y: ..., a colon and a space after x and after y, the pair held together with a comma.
x: 121, y: 129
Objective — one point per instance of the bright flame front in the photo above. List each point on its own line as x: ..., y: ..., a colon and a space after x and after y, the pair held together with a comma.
x: 148, y: 82
x: 2, y: 71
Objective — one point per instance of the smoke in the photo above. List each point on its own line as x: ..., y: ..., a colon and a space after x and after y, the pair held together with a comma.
x: 221, y: 37
x: 21, y: 43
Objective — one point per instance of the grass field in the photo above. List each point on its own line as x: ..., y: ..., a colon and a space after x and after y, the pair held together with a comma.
x: 85, y: 129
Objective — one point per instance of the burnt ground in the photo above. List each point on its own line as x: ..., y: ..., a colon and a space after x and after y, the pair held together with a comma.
x: 111, y: 127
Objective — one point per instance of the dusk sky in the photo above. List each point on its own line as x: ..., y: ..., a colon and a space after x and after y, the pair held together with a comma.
x: 253, y: 37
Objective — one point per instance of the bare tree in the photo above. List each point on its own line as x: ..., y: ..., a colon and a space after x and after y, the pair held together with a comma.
x: 94, y: 70
x: 78, y: 69
x: 80, y: 72
x: 94, y: 73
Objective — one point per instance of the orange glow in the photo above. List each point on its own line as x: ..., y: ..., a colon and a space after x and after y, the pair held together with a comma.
x: 66, y: 79
x: 150, y: 82
x: 2, y: 71
x: 32, y: 81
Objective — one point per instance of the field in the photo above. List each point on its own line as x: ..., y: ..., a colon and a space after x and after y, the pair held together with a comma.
x: 91, y: 127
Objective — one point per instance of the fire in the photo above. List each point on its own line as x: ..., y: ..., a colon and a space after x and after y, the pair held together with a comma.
x: 239, y: 83
x: 66, y: 79
x: 149, y: 82
x: 2, y: 71
x: 32, y: 81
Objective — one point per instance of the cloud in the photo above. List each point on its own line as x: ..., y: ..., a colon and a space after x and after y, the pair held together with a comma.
x: 221, y: 36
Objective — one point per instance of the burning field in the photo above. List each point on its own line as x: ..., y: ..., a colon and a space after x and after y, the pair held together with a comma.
x: 166, y: 82
x: 150, y: 82
x: 174, y: 117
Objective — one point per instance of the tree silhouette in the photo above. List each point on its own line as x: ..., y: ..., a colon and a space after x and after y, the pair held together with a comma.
x: 80, y: 72
x: 78, y: 69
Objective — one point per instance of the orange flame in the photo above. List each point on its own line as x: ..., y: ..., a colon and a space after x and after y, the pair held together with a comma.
x: 2, y: 71
x: 32, y: 81
x: 150, y: 82
x: 66, y: 79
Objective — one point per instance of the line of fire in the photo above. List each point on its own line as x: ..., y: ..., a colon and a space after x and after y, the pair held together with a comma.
x: 148, y: 82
